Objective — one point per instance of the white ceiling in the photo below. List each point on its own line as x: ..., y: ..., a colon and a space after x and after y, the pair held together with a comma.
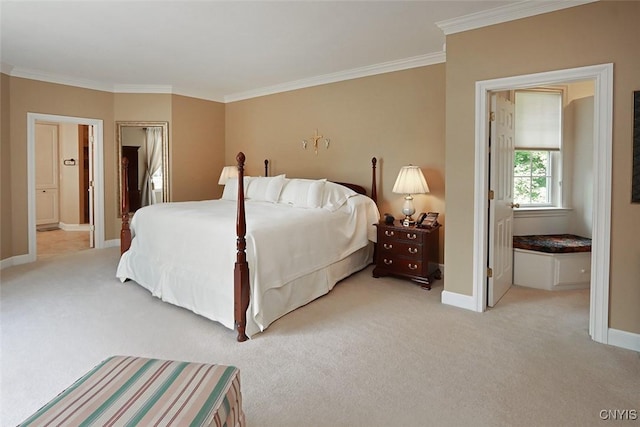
x: 229, y: 50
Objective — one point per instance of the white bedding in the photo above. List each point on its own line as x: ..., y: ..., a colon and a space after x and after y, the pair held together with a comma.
x: 184, y: 253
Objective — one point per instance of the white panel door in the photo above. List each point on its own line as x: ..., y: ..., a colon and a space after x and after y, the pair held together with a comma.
x: 501, y: 206
x: 46, y: 159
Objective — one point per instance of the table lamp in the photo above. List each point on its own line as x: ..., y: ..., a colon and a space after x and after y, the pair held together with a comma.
x: 228, y: 172
x: 410, y: 181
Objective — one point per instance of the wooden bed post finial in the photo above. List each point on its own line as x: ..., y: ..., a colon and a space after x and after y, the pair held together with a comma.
x: 125, y: 232
x: 241, y: 270
x: 266, y: 167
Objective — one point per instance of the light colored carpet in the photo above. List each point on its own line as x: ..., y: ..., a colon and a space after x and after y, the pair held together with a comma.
x: 373, y: 352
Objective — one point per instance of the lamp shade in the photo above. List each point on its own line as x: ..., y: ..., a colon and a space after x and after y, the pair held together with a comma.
x: 410, y: 181
x: 228, y: 172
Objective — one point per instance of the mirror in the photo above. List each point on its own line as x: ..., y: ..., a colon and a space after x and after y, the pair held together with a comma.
x: 146, y: 146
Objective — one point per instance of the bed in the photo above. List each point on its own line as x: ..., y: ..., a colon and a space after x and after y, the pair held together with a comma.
x: 294, y: 240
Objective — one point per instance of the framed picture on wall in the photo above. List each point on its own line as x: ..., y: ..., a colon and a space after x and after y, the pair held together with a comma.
x: 635, y: 179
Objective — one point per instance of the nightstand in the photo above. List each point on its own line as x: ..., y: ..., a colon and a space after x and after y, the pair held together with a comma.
x: 406, y: 251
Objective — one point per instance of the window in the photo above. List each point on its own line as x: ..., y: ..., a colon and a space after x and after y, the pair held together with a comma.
x: 538, y: 140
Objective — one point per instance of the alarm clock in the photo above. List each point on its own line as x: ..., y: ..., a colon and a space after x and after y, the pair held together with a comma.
x: 388, y: 218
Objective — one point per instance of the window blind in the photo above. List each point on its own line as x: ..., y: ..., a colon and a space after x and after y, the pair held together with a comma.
x: 538, y: 121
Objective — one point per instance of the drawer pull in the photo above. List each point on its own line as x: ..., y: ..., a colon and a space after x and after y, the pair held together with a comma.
x: 412, y: 236
x: 413, y: 267
x: 388, y: 261
x: 388, y: 233
x: 387, y: 246
x: 413, y: 250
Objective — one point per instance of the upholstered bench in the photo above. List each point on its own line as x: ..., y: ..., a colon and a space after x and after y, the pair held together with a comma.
x: 552, y: 262
x: 126, y: 390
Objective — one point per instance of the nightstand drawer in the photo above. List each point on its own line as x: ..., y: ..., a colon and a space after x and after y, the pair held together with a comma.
x: 395, y: 235
x: 402, y: 265
x: 393, y: 247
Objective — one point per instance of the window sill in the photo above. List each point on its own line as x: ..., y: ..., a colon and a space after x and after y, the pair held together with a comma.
x: 531, y: 212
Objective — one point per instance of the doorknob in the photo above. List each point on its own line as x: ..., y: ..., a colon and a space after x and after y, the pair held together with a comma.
x: 514, y: 205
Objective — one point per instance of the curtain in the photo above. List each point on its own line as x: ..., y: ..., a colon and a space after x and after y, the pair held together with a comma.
x: 152, y: 162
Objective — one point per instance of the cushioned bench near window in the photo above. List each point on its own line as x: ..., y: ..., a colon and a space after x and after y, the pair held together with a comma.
x: 552, y: 262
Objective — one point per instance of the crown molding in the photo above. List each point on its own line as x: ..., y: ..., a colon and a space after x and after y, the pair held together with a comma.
x: 498, y: 15
x: 385, y: 67
x: 63, y: 80
x: 199, y: 94
x: 6, y: 68
x: 121, y: 88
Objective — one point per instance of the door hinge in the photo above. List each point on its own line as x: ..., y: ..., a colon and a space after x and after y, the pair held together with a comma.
x: 489, y: 272
x: 491, y: 195
x: 492, y: 116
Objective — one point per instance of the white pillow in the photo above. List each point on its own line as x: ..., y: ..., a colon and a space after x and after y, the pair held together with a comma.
x: 303, y: 193
x: 230, y: 191
x: 335, y: 195
x: 265, y: 189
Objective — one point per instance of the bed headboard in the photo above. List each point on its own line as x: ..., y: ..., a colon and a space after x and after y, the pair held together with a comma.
x: 360, y: 189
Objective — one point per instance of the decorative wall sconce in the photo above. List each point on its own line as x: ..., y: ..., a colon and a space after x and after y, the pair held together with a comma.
x: 315, y: 138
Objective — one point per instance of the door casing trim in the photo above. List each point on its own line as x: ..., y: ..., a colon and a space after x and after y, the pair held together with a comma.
x: 602, y: 75
x: 98, y: 176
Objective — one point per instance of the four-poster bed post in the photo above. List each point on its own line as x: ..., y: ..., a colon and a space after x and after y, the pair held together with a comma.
x: 241, y: 270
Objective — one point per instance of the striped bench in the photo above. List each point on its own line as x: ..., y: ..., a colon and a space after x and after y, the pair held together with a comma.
x: 129, y: 391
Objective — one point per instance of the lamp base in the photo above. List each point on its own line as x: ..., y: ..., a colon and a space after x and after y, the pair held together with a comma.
x: 408, y: 221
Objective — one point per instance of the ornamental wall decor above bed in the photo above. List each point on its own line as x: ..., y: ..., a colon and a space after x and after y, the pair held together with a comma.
x: 315, y: 138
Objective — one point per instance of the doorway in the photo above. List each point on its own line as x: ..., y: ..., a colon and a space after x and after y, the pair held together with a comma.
x: 63, y: 169
x: 602, y: 75
x: 94, y: 128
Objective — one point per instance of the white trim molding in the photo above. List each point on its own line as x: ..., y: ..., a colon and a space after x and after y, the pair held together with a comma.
x: 624, y: 339
x: 118, y: 88
x: 98, y: 176
x: 602, y: 75
x: 385, y: 67
x: 458, y: 300
x: 15, y: 260
x: 505, y: 13
x: 111, y: 243
x: 74, y: 227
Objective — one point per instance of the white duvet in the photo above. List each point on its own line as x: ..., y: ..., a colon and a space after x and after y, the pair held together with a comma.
x: 184, y: 253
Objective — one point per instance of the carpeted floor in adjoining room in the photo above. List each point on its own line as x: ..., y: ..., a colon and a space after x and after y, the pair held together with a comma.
x: 373, y: 352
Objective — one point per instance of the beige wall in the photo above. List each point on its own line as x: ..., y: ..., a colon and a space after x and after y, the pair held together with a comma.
x: 397, y: 117
x: 596, y: 33
x: 197, y: 148
x: 6, y: 243
x: 48, y: 98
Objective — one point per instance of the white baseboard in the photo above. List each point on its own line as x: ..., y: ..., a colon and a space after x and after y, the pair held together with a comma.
x: 16, y: 260
x: 74, y: 227
x: 623, y: 339
x: 458, y: 300
x: 111, y: 243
